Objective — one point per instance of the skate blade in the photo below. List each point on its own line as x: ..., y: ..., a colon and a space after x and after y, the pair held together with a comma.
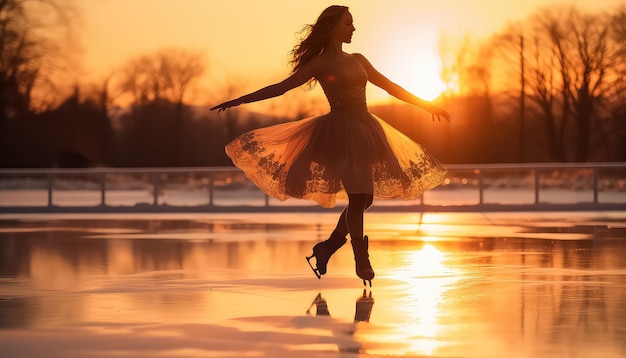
x: 315, y: 270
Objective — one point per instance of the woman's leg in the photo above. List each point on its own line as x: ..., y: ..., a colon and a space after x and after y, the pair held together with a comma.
x: 342, y: 224
x: 357, y: 205
x: 350, y: 222
x: 370, y: 201
x: 323, y: 251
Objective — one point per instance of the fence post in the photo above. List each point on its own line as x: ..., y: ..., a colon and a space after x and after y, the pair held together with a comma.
x: 103, y: 189
x: 50, y: 188
x: 480, y: 187
x: 536, y: 172
x: 595, y: 185
x: 210, y: 189
x: 155, y: 185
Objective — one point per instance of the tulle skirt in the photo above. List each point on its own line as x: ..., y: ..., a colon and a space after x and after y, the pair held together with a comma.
x: 325, y: 157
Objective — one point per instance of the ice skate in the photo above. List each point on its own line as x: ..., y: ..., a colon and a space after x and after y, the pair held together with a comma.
x: 322, y: 252
x: 361, y: 258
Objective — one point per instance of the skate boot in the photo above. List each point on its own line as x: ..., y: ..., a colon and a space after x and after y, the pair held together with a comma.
x: 322, y: 251
x: 361, y: 258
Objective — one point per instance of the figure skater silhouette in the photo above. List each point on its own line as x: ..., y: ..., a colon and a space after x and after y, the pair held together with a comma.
x: 347, y: 151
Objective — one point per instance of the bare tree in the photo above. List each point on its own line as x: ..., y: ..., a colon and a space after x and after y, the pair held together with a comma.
x: 163, y: 79
x: 467, y: 73
x: 30, y: 39
x: 614, y: 136
x: 32, y: 35
x: 164, y: 75
x: 570, y: 61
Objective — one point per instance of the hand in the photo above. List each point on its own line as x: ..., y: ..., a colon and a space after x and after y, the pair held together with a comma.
x: 438, y: 112
x: 226, y: 105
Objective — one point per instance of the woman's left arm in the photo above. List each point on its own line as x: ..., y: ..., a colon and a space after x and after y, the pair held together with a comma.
x: 397, y: 91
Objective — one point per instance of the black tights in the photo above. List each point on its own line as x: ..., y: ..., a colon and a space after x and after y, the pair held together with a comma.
x: 351, y: 219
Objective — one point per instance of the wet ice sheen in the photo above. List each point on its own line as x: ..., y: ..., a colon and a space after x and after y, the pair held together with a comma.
x: 462, y: 285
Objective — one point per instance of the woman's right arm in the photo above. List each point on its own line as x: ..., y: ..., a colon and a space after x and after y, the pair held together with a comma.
x: 395, y: 90
x: 298, y: 78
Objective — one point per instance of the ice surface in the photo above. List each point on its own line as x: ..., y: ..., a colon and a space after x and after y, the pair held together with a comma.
x: 236, y: 285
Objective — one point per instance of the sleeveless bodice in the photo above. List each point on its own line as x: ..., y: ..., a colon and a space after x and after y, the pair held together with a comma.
x: 344, y: 87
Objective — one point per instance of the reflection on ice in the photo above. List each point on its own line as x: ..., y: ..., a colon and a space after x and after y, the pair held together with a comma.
x: 425, y: 277
x: 479, y: 285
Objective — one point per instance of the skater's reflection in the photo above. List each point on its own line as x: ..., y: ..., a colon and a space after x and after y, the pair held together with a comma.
x: 364, y: 305
x: 321, y: 307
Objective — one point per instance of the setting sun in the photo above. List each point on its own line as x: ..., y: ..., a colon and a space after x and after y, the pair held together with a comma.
x: 409, y: 57
x: 422, y: 75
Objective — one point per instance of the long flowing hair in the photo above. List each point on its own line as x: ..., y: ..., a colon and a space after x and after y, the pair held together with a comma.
x: 316, y: 36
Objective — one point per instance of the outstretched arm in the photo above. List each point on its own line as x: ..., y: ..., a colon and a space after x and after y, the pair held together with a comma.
x: 300, y: 77
x: 400, y: 93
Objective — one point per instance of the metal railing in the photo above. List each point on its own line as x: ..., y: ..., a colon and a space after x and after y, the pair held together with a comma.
x: 225, y: 189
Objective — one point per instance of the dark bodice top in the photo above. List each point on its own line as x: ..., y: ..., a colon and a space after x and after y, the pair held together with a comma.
x: 344, y: 87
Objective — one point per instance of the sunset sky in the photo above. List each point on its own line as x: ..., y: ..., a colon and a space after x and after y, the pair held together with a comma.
x: 248, y: 40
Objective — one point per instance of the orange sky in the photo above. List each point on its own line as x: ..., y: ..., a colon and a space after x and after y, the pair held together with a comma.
x: 248, y: 40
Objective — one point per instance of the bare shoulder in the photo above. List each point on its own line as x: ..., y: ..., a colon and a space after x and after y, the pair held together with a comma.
x: 359, y: 57
x: 364, y: 62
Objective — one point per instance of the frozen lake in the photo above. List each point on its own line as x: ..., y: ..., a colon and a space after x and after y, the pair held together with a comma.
x: 237, y: 285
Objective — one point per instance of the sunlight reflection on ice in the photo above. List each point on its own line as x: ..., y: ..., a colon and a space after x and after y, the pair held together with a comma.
x: 426, y: 279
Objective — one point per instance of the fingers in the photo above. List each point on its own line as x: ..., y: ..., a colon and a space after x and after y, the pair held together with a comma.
x: 439, y: 117
x: 226, y: 105
x: 221, y: 107
x: 441, y: 113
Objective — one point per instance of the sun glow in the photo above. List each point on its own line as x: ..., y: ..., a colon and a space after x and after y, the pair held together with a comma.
x: 423, y: 79
x: 418, y: 71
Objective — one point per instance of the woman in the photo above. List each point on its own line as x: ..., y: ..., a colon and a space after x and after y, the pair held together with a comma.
x: 347, y: 151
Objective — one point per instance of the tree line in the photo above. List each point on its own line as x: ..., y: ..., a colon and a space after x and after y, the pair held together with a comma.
x: 555, y: 78
x: 548, y: 88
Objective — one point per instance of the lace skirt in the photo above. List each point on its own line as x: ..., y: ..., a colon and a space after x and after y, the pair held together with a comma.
x: 325, y: 157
